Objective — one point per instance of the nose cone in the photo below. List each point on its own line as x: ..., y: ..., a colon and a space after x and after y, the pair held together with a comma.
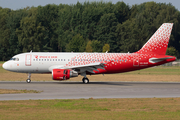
x: 5, y: 66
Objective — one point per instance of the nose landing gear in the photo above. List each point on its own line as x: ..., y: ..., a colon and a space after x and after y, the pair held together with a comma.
x: 29, y: 78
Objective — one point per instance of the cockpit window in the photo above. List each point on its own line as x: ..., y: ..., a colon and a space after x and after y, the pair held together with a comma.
x: 15, y: 59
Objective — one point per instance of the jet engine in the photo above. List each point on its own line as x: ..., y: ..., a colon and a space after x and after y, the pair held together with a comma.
x: 63, y: 74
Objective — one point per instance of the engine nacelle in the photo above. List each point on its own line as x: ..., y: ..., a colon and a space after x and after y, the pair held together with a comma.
x: 63, y: 74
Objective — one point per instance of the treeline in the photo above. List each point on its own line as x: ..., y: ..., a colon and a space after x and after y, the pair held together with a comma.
x: 85, y: 27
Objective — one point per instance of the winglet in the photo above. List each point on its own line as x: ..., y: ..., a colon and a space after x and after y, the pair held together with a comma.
x: 159, y: 41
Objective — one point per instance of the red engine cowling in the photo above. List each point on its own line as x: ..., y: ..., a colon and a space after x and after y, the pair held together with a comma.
x: 63, y: 74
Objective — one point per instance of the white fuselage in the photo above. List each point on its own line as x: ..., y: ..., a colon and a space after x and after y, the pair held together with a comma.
x: 38, y: 62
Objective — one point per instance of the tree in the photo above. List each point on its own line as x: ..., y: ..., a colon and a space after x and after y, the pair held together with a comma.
x: 77, y: 44
x: 121, y: 11
x: 4, y: 33
x: 106, y: 30
x: 106, y: 48
x: 12, y: 23
x: 88, y: 47
x: 172, y: 51
x: 30, y: 34
x: 48, y: 17
x: 96, y: 46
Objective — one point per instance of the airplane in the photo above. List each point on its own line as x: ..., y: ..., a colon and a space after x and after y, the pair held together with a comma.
x: 65, y: 65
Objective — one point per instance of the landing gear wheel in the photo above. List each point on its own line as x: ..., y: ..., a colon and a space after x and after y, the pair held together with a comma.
x: 28, y: 80
x: 85, y: 80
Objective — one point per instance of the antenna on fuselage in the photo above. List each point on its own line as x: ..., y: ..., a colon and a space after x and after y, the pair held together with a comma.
x: 31, y: 51
x: 106, y: 51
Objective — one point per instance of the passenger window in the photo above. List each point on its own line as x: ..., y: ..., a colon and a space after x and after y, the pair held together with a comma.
x: 47, y: 59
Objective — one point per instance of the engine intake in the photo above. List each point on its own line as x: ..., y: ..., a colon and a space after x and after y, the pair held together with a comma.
x: 63, y: 74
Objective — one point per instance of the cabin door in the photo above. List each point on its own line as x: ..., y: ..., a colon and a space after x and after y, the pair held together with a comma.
x: 28, y: 60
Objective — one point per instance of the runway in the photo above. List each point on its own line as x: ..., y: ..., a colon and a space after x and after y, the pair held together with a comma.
x: 78, y: 90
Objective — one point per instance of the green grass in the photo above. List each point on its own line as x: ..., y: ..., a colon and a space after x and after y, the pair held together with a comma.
x: 13, y: 91
x: 1, y: 62
x: 136, y: 109
x: 1, y: 69
x: 159, y: 70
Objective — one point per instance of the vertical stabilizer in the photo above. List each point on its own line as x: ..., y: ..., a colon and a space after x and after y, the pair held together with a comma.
x: 159, y: 41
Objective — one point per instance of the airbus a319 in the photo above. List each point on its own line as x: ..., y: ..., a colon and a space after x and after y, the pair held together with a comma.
x: 65, y: 65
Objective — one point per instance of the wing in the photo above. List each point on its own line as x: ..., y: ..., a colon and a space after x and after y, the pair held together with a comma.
x: 82, y: 68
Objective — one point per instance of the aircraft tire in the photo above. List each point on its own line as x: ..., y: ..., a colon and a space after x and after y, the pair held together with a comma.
x: 28, y: 80
x: 85, y: 80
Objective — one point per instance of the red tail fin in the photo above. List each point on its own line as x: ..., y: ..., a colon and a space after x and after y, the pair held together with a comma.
x: 159, y: 41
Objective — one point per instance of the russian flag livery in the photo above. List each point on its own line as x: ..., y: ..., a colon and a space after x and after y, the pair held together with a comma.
x: 65, y: 65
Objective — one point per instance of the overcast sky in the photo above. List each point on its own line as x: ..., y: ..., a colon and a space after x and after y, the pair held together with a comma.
x: 18, y: 4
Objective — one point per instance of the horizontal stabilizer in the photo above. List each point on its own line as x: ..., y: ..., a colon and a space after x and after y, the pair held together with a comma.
x: 155, y: 60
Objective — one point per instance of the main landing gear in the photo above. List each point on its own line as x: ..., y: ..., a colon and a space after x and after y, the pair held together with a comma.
x: 29, y: 78
x: 85, y: 80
